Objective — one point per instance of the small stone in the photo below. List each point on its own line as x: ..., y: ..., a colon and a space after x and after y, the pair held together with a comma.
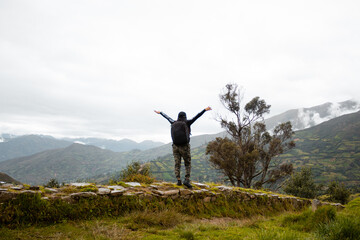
x: 80, y: 184
x: 315, y: 204
x: 8, y: 185
x: 117, y: 192
x: 116, y: 187
x: 103, y: 191
x: 171, y: 192
x: 129, y: 194
x: 3, y: 189
x: 223, y: 188
x: 158, y: 192
x: 82, y: 195
x: 133, y: 184
x: 184, y: 192
x: 18, y: 188
x: 27, y: 192
x: 259, y: 194
x: 200, y: 185
x: 52, y: 190
x: 201, y: 191
x: 35, y: 188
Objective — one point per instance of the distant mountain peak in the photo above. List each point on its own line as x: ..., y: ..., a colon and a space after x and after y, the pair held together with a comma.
x: 303, y: 118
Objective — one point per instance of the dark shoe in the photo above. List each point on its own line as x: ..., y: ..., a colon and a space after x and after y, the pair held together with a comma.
x: 187, y: 183
x: 179, y: 183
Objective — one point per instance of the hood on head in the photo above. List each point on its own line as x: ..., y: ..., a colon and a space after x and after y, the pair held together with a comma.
x: 182, y: 116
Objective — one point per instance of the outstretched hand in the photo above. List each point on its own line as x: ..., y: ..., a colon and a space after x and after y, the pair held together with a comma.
x: 158, y: 112
x: 208, y: 108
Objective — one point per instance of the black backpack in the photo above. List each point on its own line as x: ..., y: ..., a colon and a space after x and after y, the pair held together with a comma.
x: 180, y: 133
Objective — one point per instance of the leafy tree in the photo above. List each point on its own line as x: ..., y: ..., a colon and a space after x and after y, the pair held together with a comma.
x: 52, y: 183
x: 338, y: 193
x: 301, y: 184
x: 246, y: 157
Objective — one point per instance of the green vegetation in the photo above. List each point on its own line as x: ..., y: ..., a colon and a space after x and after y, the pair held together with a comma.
x: 338, y: 193
x: 324, y: 223
x: 301, y: 184
x: 135, y: 172
x: 52, y: 183
x: 247, y: 157
x: 331, y: 149
x: 29, y: 209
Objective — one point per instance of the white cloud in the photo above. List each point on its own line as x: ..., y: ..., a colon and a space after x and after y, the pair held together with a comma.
x: 101, y: 68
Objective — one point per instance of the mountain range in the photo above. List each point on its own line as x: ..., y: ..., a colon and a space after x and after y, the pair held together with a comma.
x: 68, y: 164
x: 20, y: 146
x: 40, y: 158
x: 331, y: 149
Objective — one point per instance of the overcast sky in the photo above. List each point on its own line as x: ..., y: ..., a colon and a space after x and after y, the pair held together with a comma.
x: 100, y: 68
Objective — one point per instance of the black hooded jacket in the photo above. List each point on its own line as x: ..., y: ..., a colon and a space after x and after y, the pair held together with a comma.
x: 182, y: 117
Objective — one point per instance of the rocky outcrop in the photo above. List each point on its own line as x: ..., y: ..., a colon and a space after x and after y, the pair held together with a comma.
x: 73, y: 192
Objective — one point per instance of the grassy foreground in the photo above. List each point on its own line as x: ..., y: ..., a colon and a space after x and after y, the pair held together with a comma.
x: 325, y: 223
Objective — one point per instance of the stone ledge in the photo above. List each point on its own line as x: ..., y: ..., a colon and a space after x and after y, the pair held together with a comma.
x: 202, y: 192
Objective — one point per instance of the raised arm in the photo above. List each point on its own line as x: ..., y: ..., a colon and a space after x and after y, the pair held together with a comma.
x: 171, y: 121
x: 198, y: 115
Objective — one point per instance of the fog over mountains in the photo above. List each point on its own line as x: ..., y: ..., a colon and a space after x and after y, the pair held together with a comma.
x: 308, y: 117
x: 45, y: 157
x: 12, y: 146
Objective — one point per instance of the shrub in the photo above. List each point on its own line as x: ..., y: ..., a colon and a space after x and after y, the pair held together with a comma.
x: 52, y: 183
x: 137, y: 172
x: 338, y: 193
x: 139, y: 178
x: 301, y: 184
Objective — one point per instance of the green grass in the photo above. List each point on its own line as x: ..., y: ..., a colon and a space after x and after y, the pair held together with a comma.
x: 174, y: 223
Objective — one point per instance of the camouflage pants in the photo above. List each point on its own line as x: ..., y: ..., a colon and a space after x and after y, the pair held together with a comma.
x: 182, y: 152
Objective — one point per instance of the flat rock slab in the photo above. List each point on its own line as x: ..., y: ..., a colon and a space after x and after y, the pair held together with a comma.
x: 18, y: 188
x: 117, y: 192
x: 116, y: 187
x: 133, y: 184
x: 184, y: 192
x: 200, y: 185
x: 224, y: 188
x: 103, y: 191
x: 83, y: 195
x: 80, y: 184
x: 51, y: 190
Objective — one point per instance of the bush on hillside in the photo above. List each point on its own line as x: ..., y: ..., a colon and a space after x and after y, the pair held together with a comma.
x: 338, y: 193
x: 301, y: 184
x: 137, y: 172
x: 52, y: 183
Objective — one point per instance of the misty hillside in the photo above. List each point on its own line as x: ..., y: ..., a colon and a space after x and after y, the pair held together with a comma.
x: 308, y: 117
x: 7, y: 179
x: 20, y: 146
x: 66, y: 164
x: 331, y: 149
x: 123, y: 145
x: 27, y: 145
